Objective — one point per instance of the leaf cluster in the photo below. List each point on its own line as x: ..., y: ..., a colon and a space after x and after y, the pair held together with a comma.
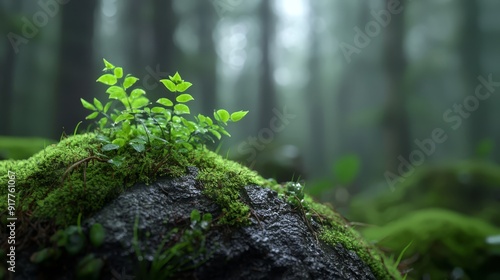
x: 130, y: 119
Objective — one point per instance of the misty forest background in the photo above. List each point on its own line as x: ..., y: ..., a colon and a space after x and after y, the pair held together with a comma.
x: 324, y: 80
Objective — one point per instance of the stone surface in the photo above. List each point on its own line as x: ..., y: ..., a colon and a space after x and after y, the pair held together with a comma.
x: 277, y: 245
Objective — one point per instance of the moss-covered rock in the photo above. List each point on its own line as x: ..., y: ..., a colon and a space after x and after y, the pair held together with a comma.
x: 444, y: 245
x: 74, y: 178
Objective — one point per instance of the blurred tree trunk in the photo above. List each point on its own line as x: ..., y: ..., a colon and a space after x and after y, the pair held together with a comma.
x: 9, y: 61
x: 395, y: 118
x: 76, y: 74
x: 315, y: 97
x: 470, y: 52
x: 207, y: 58
x: 136, y: 35
x: 164, y: 25
x: 267, y: 91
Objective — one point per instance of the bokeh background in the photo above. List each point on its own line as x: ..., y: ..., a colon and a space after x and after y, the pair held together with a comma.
x: 384, y: 109
x: 333, y: 87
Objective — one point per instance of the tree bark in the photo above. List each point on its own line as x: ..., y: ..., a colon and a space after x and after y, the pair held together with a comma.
x: 267, y: 92
x: 470, y: 52
x: 207, y: 58
x: 76, y: 63
x: 396, y: 118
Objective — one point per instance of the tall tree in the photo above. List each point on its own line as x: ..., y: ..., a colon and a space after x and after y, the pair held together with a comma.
x: 396, y: 119
x: 164, y: 25
x: 9, y: 60
x: 75, y: 65
x: 470, y: 53
x: 207, y: 57
x: 267, y: 91
x: 315, y: 95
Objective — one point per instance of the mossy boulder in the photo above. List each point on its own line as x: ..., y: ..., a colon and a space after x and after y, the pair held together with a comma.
x: 444, y: 245
x: 74, y: 179
x: 471, y: 188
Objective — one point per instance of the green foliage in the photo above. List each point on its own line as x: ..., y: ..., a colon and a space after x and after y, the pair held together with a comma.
x: 344, y: 172
x: 133, y: 122
x: 485, y: 148
x: 21, y: 147
x: 187, y: 252
x: 441, y: 242
x: 346, y: 168
x: 70, y: 242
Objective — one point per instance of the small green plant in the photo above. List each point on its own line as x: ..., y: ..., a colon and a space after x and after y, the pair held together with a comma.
x: 70, y: 243
x: 187, y: 252
x: 132, y: 122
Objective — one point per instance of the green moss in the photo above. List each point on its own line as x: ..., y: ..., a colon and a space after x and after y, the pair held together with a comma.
x: 223, y: 181
x: 20, y: 147
x: 72, y: 177
x: 471, y: 188
x: 441, y: 241
x: 338, y: 232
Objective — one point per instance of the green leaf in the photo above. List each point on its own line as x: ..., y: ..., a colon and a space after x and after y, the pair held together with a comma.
x: 236, y: 116
x: 125, y: 102
x: 116, y: 92
x: 195, y: 216
x: 138, y: 147
x: 137, y: 93
x: 75, y: 244
x: 158, y: 110
x: 107, y: 79
x: 169, y: 85
x: 209, y: 121
x: 184, y: 98
x: 223, y: 115
x: 205, y: 221
x: 201, y: 118
x: 97, y: 234
x: 118, y: 72
x: 119, y: 141
x: 215, y: 133
x: 43, y: 255
x: 180, y: 109
x: 108, y: 65
x: 110, y: 147
x: 87, y: 105
x: 223, y: 131
x: 122, y: 117
x: 103, y: 122
x: 182, y: 87
x: 346, y: 169
x: 125, y: 128
x: 165, y: 102
x: 106, y: 107
x: 129, y: 81
x: 92, y: 116
x: 187, y: 146
x: 140, y: 102
x: 98, y: 104
x: 117, y: 161
x: 176, y: 78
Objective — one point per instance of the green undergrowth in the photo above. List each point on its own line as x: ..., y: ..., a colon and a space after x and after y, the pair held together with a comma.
x: 72, y: 177
x: 441, y: 242
x: 430, y: 187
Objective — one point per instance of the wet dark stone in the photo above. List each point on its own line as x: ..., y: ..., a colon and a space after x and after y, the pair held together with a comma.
x: 277, y: 245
